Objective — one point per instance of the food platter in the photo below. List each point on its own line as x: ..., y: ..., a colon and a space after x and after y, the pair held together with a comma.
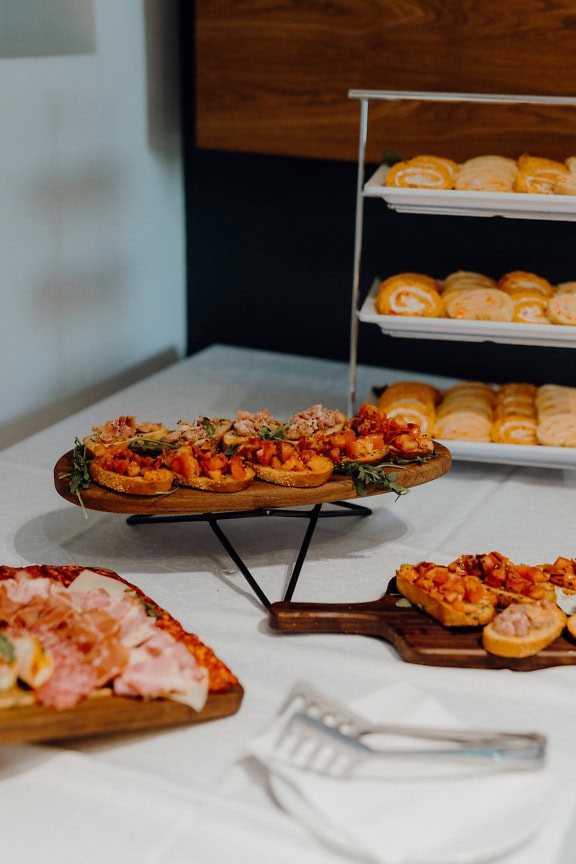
x: 106, y: 714
x: 258, y: 495
x: 416, y: 637
x: 453, y: 202
x: 459, y: 330
x: 103, y: 713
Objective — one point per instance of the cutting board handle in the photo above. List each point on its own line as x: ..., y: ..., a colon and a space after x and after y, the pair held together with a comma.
x: 361, y: 618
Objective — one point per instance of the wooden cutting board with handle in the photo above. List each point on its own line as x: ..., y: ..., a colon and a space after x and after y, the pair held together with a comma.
x: 416, y: 637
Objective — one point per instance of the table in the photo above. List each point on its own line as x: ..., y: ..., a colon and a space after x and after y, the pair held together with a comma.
x: 191, y: 794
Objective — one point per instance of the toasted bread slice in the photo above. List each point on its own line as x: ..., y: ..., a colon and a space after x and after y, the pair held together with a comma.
x: 122, y: 430
x: 205, y: 468
x: 153, y: 481
x: 524, y: 629
x: 257, y: 424
x: 199, y: 431
x: 320, y: 473
x: 286, y: 463
x: 452, y: 599
x: 313, y: 421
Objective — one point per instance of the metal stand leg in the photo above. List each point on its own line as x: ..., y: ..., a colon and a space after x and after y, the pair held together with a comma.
x: 347, y: 508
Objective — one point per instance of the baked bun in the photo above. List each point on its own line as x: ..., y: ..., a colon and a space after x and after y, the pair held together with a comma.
x: 410, y: 294
x: 203, y: 467
x: 423, y: 172
x: 524, y: 629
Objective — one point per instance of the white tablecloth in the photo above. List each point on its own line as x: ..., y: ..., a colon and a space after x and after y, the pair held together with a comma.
x: 192, y: 794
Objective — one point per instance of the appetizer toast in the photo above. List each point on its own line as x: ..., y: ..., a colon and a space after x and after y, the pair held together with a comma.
x: 219, y: 455
x: 514, y: 604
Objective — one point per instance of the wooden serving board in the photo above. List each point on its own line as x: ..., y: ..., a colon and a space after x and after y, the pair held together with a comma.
x: 416, y: 636
x: 103, y: 713
x: 258, y: 496
x: 107, y: 714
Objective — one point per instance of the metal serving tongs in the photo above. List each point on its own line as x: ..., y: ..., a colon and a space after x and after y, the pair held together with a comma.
x: 326, y: 737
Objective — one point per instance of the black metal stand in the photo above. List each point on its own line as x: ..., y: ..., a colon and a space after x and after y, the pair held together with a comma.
x: 213, y: 519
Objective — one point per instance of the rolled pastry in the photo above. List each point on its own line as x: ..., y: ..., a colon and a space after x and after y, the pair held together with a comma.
x: 557, y: 430
x: 487, y: 174
x: 537, y: 174
x: 522, y: 280
x: 562, y: 309
x: 463, y: 426
x: 423, y: 172
x: 514, y: 430
x: 481, y: 304
x: 529, y: 308
x: 410, y: 294
x: 565, y: 185
x: 565, y: 288
x: 466, y: 280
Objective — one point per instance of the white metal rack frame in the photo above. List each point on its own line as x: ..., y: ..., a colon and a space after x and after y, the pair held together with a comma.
x: 365, y: 97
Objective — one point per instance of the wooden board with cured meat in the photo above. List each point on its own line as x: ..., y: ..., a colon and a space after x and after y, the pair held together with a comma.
x: 416, y: 636
x: 258, y: 495
x: 103, y: 712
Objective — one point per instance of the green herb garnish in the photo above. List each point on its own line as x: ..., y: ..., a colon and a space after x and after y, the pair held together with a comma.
x: 272, y: 434
x: 149, y: 446
x: 371, y: 475
x: 151, y: 610
x: 80, y: 475
x: 390, y: 157
x: 7, y: 650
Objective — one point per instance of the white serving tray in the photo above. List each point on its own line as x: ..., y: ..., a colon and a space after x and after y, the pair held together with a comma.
x: 452, y: 202
x: 512, y: 454
x: 455, y: 329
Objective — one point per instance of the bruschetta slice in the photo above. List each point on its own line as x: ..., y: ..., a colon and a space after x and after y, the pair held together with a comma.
x: 453, y: 599
x: 205, y: 468
x: 524, y: 629
x: 252, y: 424
x: 122, y: 430
x: 286, y: 463
x: 123, y: 470
x: 315, y: 420
x: 199, y: 431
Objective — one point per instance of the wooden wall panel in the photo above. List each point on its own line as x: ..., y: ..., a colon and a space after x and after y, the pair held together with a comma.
x: 272, y: 76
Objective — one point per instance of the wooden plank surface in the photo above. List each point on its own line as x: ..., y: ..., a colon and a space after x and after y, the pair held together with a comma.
x: 106, y: 715
x: 258, y: 495
x: 103, y: 713
x: 416, y: 636
x: 274, y: 78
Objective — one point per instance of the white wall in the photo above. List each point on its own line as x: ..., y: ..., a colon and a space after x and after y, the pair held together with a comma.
x: 92, y: 261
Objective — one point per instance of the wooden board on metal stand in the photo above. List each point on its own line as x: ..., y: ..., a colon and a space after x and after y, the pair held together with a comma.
x: 259, y: 495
